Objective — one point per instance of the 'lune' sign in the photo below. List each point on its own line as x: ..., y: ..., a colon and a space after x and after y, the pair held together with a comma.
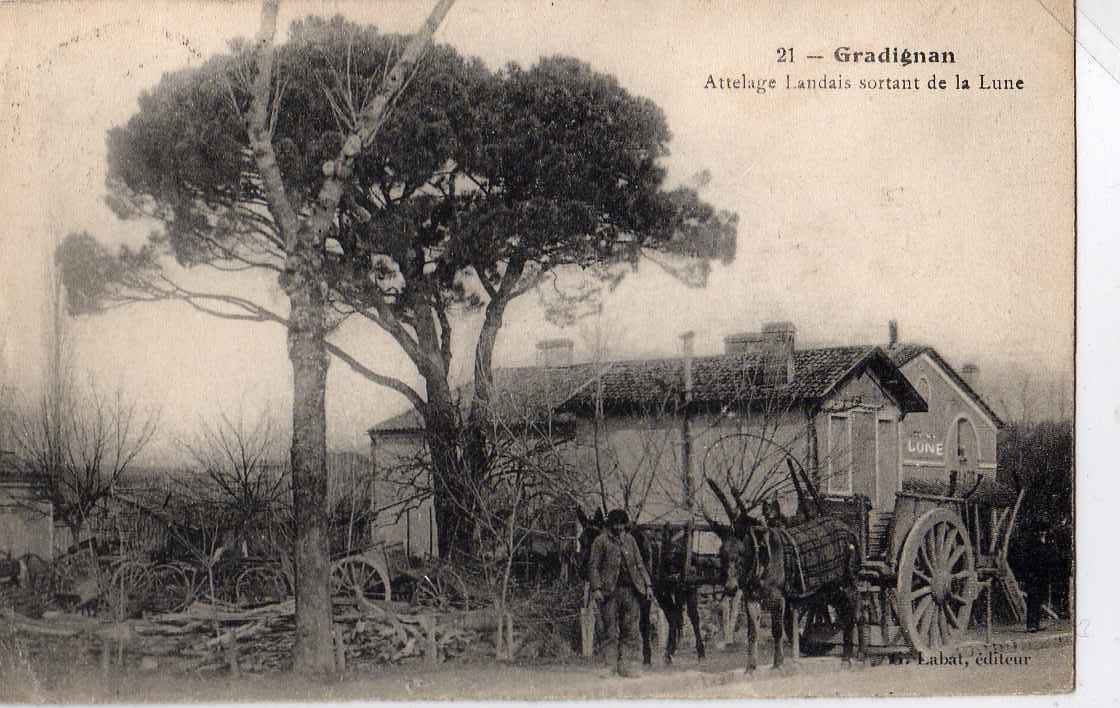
x: 923, y: 446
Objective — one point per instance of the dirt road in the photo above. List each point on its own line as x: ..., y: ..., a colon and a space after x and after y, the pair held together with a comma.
x: 1035, y: 670
x: 1018, y: 666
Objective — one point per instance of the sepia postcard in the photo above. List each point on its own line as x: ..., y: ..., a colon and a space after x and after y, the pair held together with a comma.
x: 471, y: 349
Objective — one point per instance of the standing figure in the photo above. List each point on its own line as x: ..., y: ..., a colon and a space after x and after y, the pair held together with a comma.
x: 1037, y: 575
x: 619, y: 582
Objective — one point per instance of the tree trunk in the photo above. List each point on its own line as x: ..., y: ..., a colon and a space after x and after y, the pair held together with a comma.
x: 464, y: 482
x: 75, y: 525
x: 313, y: 652
x: 314, y: 647
x: 452, y: 493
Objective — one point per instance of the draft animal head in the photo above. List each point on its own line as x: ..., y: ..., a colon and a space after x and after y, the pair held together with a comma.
x: 590, y: 529
x: 772, y: 511
x: 738, y: 558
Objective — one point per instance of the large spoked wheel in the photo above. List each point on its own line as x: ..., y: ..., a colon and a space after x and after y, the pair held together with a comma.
x: 362, y: 579
x: 170, y: 589
x: 261, y: 585
x: 936, y: 581
x: 441, y: 589
x: 127, y: 591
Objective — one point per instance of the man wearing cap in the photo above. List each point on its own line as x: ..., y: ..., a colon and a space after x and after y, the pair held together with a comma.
x: 619, y: 580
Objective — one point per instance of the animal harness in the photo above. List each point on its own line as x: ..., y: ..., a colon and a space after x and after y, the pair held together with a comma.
x: 816, y: 554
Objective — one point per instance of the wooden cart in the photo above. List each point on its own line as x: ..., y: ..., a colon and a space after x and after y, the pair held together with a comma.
x: 925, y: 566
x: 926, y: 559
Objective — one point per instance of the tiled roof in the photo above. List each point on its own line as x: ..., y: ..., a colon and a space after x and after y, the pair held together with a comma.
x: 716, y: 380
x: 518, y: 392
x: 903, y: 354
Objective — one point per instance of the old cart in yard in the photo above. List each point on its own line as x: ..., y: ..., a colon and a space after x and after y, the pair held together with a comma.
x: 930, y: 550
x: 162, y: 559
x: 925, y: 565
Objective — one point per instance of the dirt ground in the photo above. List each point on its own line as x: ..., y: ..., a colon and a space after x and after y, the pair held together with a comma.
x: 1017, y: 663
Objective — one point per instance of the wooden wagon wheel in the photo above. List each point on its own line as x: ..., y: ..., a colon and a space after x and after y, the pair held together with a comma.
x: 261, y: 585
x: 68, y: 570
x: 936, y: 581
x: 170, y: 588
x: 757, y: 465
x: 361, y: 578
x: 441, y: 589
x: 127, y: 590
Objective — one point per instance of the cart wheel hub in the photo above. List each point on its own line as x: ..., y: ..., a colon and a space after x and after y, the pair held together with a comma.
x: 940, y: 586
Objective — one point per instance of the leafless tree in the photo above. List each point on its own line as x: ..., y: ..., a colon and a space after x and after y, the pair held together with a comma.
x: 1021, y: 398
x: 236, y: 468
x: 77, y: 444
x: 601, y: 335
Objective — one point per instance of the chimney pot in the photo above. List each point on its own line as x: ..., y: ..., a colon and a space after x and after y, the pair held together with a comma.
x: 775, y: 344
x: 688, y: 341
x: 971, y: 374
x: 555, y: 352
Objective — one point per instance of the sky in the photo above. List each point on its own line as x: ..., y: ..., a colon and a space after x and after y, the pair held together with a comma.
x: 949, y: 211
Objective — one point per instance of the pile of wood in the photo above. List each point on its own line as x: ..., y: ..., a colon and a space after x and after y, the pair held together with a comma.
x: 215, y: 637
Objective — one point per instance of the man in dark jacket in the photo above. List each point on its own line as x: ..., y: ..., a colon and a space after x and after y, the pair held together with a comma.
x: 1039, y: 559
x: 619, y: 580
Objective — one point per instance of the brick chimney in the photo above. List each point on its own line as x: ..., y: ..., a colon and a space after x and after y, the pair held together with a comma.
x: 774, y: 345
x: 555, y: 352
x: 688, y: 340
x: 971, y: 374
x: 688, y: 343
x: 778, y: 340
x: 743, y: 343
x: 892, y: 334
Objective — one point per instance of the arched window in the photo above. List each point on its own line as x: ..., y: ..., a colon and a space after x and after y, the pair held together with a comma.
x: 925, y: 391
x: 968, y: 445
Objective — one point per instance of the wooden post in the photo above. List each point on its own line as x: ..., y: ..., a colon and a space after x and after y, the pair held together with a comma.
x: 811, y: 444
x: 339, y: 650
x: 509, y: 634
x: 499, y: 635
x: 106, y: 656
x: 587, y: 630
x: 662, y: 630
x: 231, y: 656
x: 431, y: 651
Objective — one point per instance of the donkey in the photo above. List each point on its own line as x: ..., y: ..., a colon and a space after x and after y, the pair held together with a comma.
x: 664, y: 555
x: 762, y: 561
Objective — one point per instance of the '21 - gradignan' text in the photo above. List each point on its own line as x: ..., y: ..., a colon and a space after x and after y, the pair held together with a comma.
x: 847, y: 57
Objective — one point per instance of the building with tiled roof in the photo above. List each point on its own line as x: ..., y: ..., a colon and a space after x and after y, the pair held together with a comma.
x: 865, y: 420
x: 957, y: 435
x: 902, y: 354
x: 26, y: 523
x: 716, y: 382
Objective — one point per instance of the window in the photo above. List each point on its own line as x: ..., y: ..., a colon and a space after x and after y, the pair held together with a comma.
x: 839, y: 454
x: 968, y: 447
x: 925, y: 391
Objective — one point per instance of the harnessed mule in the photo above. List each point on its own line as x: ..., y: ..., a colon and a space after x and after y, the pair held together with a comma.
x: 812, y: 563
